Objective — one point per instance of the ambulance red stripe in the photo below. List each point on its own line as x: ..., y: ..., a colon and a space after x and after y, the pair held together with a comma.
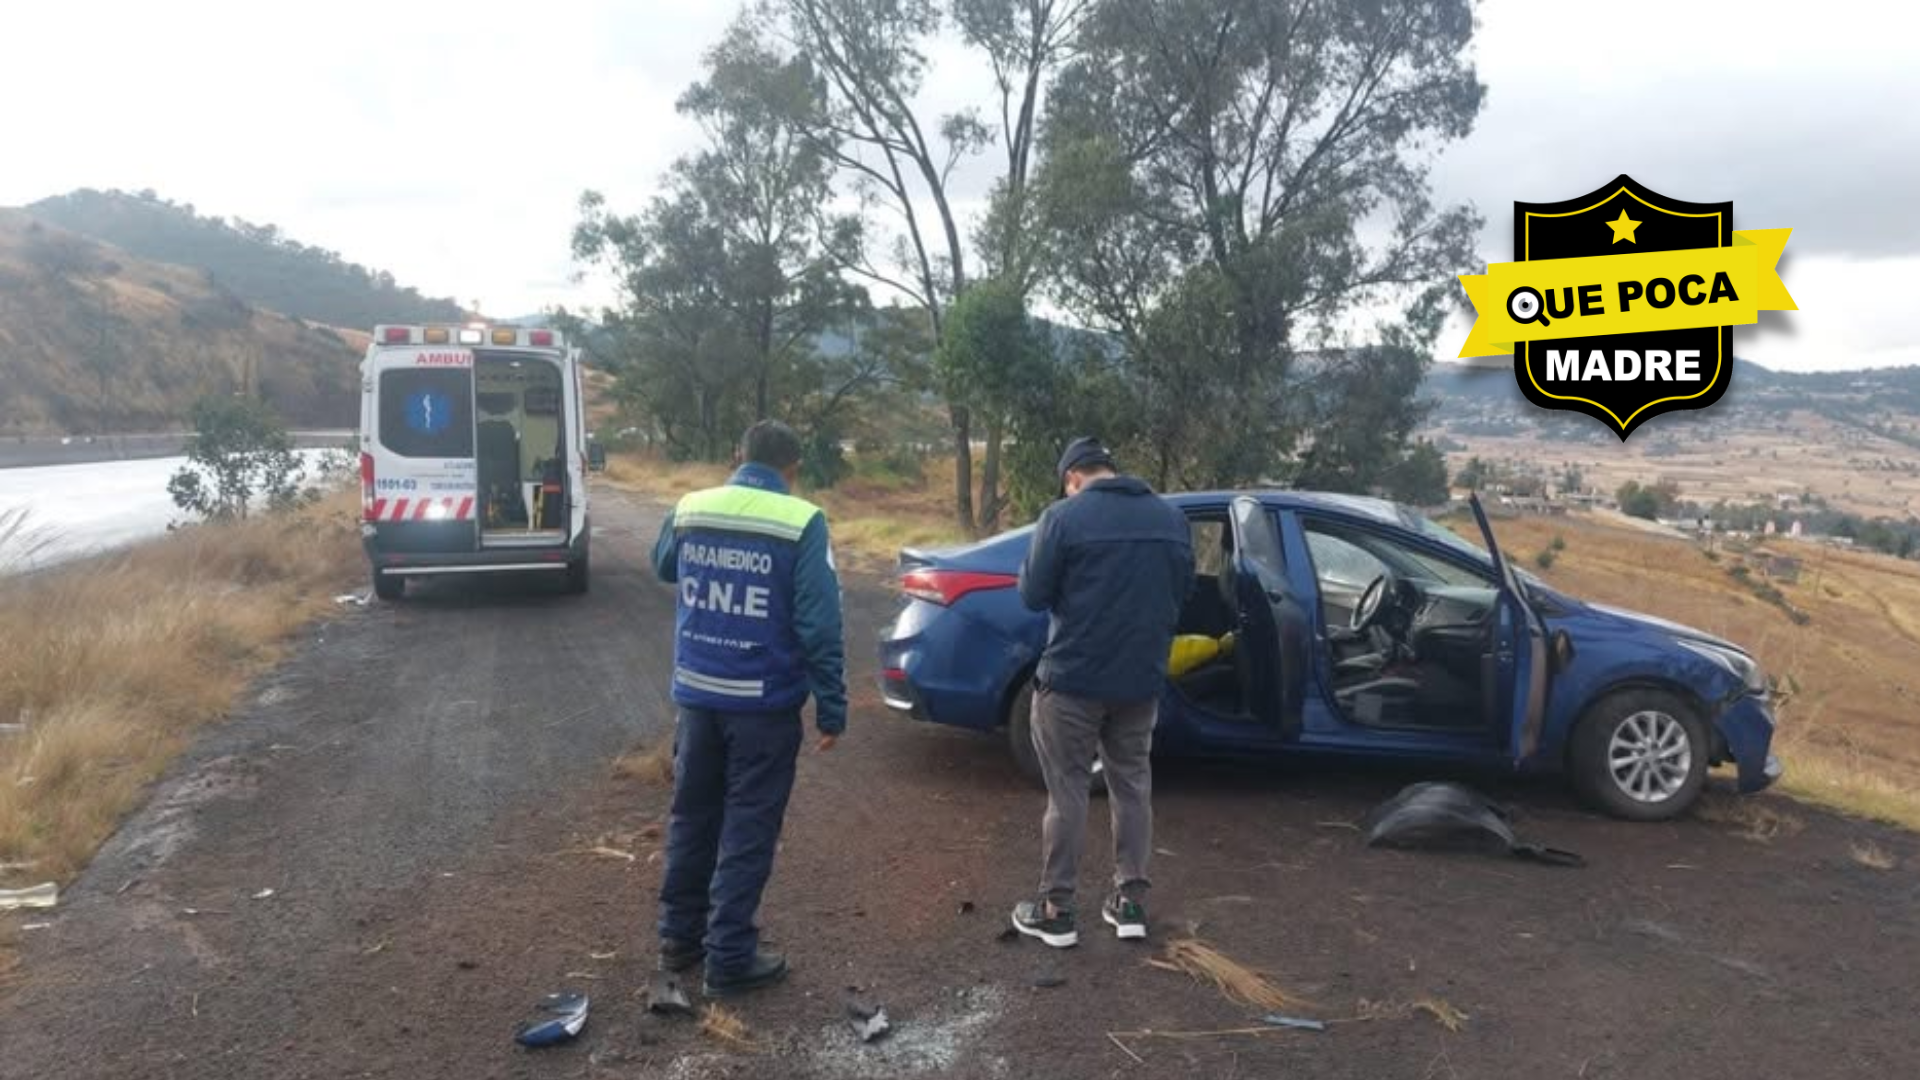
x: 399, y: 509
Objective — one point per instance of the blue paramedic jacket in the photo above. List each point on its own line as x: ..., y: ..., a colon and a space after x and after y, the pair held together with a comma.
x: 757, y: 616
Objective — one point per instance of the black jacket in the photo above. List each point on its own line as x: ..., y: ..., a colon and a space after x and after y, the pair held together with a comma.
x: 1113, y: 565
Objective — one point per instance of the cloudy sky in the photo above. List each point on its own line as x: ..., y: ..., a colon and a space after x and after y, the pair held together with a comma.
x: 447, y: 142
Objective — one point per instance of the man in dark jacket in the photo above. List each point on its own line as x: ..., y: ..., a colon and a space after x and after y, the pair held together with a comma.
x: 758, y: 632
x: 1113, y: 564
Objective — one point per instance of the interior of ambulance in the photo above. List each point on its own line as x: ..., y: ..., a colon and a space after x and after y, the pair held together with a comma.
x: 521, y: 449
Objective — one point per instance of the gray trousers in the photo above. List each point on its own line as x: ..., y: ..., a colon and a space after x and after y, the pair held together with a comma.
x: 1067, y: 733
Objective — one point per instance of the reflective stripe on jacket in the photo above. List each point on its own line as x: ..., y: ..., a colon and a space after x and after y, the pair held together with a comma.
x: 757, y: 620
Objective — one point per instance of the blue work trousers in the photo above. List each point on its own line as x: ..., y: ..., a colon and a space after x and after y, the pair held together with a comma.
x: 733, y: 772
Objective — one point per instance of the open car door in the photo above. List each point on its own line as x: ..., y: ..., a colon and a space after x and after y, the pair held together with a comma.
x: 1273, y: 624
x: 1520, y: 650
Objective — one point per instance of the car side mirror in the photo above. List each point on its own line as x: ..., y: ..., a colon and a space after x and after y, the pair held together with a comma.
x: 1560, y: 650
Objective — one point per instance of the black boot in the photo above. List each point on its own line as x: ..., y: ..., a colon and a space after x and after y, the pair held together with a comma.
x: 765, y: 970
x: 680, y: 955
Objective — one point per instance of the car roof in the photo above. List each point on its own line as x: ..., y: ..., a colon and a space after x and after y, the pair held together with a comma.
x: 1383, y: 510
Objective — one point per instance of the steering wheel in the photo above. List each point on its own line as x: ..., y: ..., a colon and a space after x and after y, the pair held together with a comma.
x: 1373, y: 602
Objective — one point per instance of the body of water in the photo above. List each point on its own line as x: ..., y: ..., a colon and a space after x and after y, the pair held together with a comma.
x: 82, y: 509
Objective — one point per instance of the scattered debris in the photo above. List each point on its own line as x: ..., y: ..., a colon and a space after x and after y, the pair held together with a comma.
x: 583, y: 975
x: 1439, y: 814
x: 357, y: 599
x: 1441, y: 1010
x: 1237, y: 982
x: 39, y: 896
x: 263, y: 894
x: 869, y: 1021
x: 723, y: 1025
x: 1049, y: 978
x: 377, y: 947
x: 13, y: 729
x: 5, y: 867
x: 466, y: 965
x: 1283, y: 1020
x: 612, y: 853
x: 564, y: 1014
x: 666, y: 998
x: 608, y: 955
x: 204, y: 911
x: 966, y: 907
x: 1873, y: 856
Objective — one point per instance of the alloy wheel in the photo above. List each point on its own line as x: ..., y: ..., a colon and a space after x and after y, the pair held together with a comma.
x: 1650, y: 756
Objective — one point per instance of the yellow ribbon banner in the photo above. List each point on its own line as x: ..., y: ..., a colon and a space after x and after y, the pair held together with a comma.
x: 1627, y: 294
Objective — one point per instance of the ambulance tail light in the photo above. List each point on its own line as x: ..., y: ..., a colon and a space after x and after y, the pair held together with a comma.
x: 948, y: 587
x: 366, y: 487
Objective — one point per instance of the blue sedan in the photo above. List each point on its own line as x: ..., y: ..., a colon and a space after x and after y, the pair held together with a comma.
x: 1362, y: 628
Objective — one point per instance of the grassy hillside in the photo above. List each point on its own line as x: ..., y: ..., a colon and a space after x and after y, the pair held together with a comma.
x: 259, y: 264
x: 95, y: 340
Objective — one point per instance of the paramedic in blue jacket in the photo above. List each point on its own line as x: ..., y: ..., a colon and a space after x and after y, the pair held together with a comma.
x: 1113, y: 564
x: 757, y: 631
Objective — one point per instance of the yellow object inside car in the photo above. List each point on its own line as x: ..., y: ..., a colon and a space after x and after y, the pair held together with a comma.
x: 1195, y: 650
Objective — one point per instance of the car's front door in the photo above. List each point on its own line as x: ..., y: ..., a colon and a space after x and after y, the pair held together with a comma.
x: 1520, y: 651
x: 1273, y: 623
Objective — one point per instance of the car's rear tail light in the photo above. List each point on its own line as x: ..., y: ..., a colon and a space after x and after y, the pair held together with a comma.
x: 948, y: 586
x: 396, y: 335
x: 540, y: 338
x: 366, y: 486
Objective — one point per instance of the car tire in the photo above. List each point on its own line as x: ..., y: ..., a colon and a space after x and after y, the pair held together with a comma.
x: 1020, y: 740
x: 577, y: 576
x: 389, y: 586
x: 1640, y: 755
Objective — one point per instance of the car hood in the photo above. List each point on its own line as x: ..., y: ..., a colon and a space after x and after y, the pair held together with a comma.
x: 1639, y: 618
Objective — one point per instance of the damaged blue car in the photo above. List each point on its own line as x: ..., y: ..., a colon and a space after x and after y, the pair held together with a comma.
x: 1358, y: 627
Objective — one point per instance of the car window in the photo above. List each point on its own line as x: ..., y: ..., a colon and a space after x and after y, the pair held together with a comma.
x: 1209, y: 546
x: 1354, y: 557
x: 427, y: 412
x: 1337, y: 561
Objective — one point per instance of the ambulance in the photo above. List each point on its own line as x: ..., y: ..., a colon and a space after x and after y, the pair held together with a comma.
x: 473, y: 455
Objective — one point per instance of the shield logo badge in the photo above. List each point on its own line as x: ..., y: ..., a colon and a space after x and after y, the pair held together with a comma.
x: 1621, y: 303
x: 1607, y: 221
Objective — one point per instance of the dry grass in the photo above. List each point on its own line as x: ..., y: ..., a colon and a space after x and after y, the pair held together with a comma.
x: 1849, y: 736
x: 1236, y: 982
x: 650, y: 765
x: 723, y: 1025
x: 1873, y: 856
x: 111, y: 664
x: 871, y: 518
x: 1442, y: 1012
x: 1759, y: 819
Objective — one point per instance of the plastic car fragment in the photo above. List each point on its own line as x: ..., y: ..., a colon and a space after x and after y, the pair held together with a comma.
x: 1441, y: 814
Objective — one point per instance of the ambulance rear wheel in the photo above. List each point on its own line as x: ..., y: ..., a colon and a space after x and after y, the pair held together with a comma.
x: 389, y: 586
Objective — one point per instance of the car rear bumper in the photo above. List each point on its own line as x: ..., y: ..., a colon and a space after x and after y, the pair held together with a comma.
x: 429, y: 549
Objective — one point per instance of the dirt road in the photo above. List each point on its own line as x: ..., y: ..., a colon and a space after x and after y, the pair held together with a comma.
x: 421, y: 788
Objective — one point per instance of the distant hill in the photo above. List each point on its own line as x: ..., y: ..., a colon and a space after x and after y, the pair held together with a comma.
x: 256, y: 262
x: 1471, y: 400
x: 93, y: 339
